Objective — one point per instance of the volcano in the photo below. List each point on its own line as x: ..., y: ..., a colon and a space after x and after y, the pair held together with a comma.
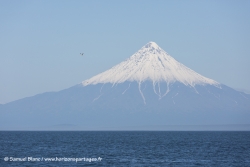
x: 148, y: 89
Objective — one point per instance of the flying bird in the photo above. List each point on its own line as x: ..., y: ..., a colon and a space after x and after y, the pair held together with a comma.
x: 81, y: 54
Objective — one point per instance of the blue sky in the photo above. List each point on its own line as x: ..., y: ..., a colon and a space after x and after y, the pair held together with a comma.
x: 41, y: 41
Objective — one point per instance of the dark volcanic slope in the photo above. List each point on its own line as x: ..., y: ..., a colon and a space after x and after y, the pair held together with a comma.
x: 123, y: 104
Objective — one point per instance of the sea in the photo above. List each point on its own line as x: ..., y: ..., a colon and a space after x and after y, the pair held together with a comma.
x: 125, y: 148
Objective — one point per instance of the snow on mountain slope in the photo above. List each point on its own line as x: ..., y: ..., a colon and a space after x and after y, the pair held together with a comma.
x: 150, y: 63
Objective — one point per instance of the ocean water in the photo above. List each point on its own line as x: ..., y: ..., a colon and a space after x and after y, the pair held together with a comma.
x: 124, y: 148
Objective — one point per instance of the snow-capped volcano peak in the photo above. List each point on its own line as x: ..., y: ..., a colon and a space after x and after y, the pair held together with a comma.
x: 150, y: 63
x: 151, y: 45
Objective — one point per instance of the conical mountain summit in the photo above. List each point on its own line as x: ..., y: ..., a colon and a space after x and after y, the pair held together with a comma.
x: 150, y: 63
x: 147, y: 91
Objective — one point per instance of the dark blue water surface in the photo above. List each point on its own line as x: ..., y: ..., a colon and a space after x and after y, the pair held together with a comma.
x: 120, y: 148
